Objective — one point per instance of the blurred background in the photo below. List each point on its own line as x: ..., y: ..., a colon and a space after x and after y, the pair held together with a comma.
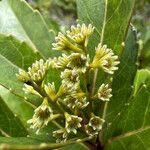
x: 59, y: 14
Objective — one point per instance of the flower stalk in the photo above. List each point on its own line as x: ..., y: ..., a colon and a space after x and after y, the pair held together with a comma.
x: 73, y: 102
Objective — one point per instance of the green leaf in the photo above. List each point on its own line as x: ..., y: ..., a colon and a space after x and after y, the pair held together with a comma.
x: 14, y: 55
x: 134, y: 122
x: 20, y: 20
x: 19, y: 106
x: 110, y: 19
x: 10, y: 125
x: 140, y: 79
x: 18, y: 53
x: 122, y: 86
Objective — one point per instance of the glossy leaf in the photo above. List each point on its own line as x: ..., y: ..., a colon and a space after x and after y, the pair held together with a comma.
x: 122, y: 86
x: 134, y: 123
x: 18, y: 19
x: 110, y: 19
x: 10, y: 125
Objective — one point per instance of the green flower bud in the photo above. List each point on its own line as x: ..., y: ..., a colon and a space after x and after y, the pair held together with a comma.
x: 29, y: 89
x: 50, y: 90
x: 64, y: 44
x: 23, y: 76
x: 80, y: 34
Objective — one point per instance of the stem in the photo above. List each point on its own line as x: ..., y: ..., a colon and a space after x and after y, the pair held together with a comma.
x: 103, y: 117
x: 43, y: 146
x: 101, y: 41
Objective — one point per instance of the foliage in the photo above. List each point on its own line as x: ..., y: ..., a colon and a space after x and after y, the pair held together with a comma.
x: 25, y: 37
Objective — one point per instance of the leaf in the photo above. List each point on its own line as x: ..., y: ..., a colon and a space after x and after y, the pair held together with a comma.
x: 110, y: 19
x: 134, y: 123
x: 18, y: 53
x: 122, y: 86
x: 14, y: 55
x: 10, y: 125
x: 140, y: 79
x: 18, y: 19
x: 19, y: 106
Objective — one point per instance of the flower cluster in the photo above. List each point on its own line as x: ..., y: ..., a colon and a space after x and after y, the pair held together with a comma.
x: 73, y: 98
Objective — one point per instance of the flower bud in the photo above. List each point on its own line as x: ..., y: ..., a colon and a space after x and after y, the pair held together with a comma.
x: 80, y: 34
x: 23, y: 76
x: 29, y: 89
x: 50, y: 90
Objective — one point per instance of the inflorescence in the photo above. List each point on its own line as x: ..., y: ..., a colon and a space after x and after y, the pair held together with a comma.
x: 72, y: 103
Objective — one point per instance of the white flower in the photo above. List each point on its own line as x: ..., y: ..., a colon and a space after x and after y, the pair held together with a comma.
x: 38, y: 70
x: 72, y: 123
x: 90, y: 131
x: 60, y: 135
x: 60, y: 62
x: 41, y: 116
x: 64, y: 44
x: 105, y: 59
x: 80, y: 34
x: 61, y: 42
x: 76, y: 100
x: 96, y: 123
x: 104, y: 92
x: 78, y: 62
x: 70, y: 78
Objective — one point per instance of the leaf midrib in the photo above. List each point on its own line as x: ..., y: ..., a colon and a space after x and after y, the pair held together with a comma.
x: 128, y: 134
x: 26, y: 33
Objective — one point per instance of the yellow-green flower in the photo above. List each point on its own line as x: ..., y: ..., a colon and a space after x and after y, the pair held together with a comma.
x: 76, y: 100
x: 28, y: 89
x: 72, y: 123
x: 64, y: 44
x: 23, y: 76
x: 105, y: 59
x: 60, y: 62
x: 90, y: 131
x: 41, y: 116
x: 61, y: 135
x: 38, y: 70
x: 96, y: 123
x: 50, y: 90
x: 70, y: 78
x: 78, y: 62
x: 80, y: 34
x: 104, y: 92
